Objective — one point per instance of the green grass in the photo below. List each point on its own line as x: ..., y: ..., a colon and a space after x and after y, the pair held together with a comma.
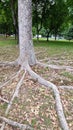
x: 68, y: 75
x: 4, y: 106
x: 5, y: 42
x: 41, y: 42
x: 53, y: 43
x: 54, y: 47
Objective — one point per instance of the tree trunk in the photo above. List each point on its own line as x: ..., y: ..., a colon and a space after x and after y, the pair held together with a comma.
x: 25, y: 32
x: 55, y: 38
x: 37, y: 34
x: 47, y: 36
x: 15, y: 19
x: 55, y: 35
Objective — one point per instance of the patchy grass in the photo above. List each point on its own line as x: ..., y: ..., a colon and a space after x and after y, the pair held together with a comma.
x: 5, y: 42
x: 57, y: 49
x: 36, y: 105
x: 68, y: 75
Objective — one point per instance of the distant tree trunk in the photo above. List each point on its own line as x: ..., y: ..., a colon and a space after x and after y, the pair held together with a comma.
x: 37, y: 34
x: 55, y: 34
x: 55, y: 38
x: 15, y: 19
x: 25, y: 32
x: 47, y: 36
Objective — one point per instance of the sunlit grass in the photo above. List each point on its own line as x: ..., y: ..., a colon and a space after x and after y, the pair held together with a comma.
x: 4, y: 42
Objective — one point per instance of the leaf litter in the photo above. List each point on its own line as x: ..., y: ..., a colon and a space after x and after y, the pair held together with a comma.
x: 36, y: 105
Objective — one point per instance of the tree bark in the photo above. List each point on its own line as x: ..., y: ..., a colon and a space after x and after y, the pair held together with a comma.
x: 25, y: 32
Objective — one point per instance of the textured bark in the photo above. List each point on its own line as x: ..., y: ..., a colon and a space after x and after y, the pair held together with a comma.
x: 25, y: 32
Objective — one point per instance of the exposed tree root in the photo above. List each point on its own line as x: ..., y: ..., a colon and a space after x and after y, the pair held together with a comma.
x: 56, y: 60
x: 48, y: 84
x: 66, y: 87
x: 10, y: 80
x: 15, y: 93
x: 7, y: 63
x: 45, y: 59
x: 37, y: 78
x: 4, y: 100
x: 37, y: 53
x: 68, y: 68
x: 60, y: 61
x: 16, y: 124
x: 13, y: 97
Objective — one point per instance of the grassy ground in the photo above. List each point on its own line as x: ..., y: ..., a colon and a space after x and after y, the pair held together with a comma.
x: 36, y: 105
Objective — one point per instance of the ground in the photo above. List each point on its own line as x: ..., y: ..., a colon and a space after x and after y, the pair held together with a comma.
x: 35, y: 104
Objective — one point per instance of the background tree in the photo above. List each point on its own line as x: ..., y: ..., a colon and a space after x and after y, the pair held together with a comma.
x: 10, y: 14
x: 39, y: 13
x: 58, y: 14
x: 6, y: 24
x: 69, y: 34
x: 14, y: 11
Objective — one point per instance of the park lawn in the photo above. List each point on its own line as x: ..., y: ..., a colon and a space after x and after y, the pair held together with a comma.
x: 35, y: 104
x: 54, y: 47
x: 58, y: 49
x: 6, y: 41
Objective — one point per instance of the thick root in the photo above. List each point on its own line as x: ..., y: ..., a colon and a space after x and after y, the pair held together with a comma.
x: 59, y: 108
x: 37, y: 78
x: 68, y: 68
x: 7, y: 63
x: 56, y: 60
x: 16, y: 124
x: 66, y: 87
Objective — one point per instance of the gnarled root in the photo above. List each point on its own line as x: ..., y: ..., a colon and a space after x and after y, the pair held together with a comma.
x: 36, y: 77
x: 48, y: 84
